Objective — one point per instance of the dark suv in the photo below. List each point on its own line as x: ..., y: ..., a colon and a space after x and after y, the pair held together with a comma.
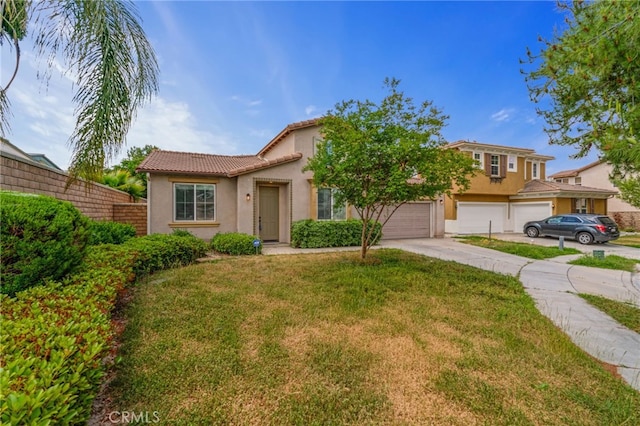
x: 585, y: 228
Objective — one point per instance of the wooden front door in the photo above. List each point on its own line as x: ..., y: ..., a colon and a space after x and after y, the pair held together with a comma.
x: 269, y: 214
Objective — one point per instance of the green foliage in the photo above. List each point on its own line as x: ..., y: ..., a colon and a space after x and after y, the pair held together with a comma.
x: 629, y: 190
x: 380, y: 156
x: 135, y: 156
x: 42, y: 238
x: 590, y: 73
x: 104, y: 46
x: 159, y: 251
x: 341, y: 233
x: 610, y: 261
x: 55, y: 337
x: 235, y: 243
x: 123, y: 181
x: 106, y: 232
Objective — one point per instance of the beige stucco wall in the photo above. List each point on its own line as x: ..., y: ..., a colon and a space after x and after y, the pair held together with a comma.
x: 160, y: 201
x: 598, y: 177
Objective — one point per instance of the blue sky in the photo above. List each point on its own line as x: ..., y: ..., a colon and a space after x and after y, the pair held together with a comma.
x: 233, y: 74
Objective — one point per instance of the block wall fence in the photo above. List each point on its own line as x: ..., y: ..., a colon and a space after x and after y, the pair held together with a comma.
x: 99, y: 202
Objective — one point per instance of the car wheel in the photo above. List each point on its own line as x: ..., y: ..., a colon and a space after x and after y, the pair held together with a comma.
x: 532, y: 232
x: 585, y: 238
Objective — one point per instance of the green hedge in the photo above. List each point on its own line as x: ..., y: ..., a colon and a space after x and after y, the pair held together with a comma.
x: 235, y: 243
x: 41, y: 238
x: 106, y: 232
x: 55, y: 337
x: 315, y: 234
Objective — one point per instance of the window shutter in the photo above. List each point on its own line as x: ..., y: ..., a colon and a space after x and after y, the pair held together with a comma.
x: 503, y: 166
x: 487, y: 164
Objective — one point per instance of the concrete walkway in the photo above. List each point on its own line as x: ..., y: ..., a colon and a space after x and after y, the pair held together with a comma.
x: 554, y: 285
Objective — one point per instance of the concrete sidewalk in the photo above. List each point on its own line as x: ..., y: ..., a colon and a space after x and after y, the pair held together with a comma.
x: 553, y: 285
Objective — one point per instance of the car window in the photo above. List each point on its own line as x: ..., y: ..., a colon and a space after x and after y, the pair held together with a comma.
x: 606, y: 220
x: 554, y: 219
x: 571, y: 219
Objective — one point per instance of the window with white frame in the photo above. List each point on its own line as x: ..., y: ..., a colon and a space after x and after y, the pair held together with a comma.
x: 578, y: 181
x: 512, y: 163
x: 495, y: 165
x: 581, y: 205
x: 194, y: 202
x: 535, y: 170
x: 479, y: 158
x: 328, y: 209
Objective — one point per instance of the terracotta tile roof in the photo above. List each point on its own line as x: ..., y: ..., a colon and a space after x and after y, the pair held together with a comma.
x: 284, y: 132
x: 540, y: 186
x: 573, y: 172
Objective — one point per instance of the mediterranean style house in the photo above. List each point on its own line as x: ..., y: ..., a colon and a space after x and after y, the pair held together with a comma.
x: 596, y: 174
x: 510, y: 189
x: 261, y: 194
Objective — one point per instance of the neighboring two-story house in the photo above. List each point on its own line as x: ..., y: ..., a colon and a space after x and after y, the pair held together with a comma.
x: 510, y: 189
x: 596, y: 174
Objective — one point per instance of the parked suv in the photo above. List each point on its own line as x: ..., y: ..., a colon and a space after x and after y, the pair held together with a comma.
x: 585, y: 228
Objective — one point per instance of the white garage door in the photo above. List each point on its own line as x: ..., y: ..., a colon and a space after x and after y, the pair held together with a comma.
x: 524, y: 212
x: 474, y: 218
x: 411, y: 220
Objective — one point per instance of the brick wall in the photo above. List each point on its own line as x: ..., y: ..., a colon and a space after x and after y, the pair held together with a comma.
x: 95, y: 201
x: 132, y: 213
x: 626, y: 220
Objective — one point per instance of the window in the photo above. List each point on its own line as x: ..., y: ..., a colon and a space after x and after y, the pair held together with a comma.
x: 478, y: 157
x: 327, y: 208
x: 495, y: 165
x: 535, y: 170
x: 512, y: 163
x: 194, y: 202
x: 578, y: 181
x: 581, y: 205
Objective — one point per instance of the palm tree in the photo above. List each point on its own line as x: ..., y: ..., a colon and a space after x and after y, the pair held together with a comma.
x: 122, y: 180
x: 103, y: 44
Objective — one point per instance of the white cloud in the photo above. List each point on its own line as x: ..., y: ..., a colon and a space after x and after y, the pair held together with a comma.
x: 311, y: 109
x: 503, y: 115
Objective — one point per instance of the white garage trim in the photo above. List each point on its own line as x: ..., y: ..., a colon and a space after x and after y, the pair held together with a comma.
x: 524, y: 212
x: 411, y: 220
x: 476, y: 218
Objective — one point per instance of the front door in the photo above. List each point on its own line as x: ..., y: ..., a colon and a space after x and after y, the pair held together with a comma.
x: 269, y: 215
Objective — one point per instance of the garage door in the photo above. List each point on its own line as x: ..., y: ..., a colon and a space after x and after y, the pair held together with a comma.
x: 411, y: 220
x: 524, y: 212
x: 474, y: 218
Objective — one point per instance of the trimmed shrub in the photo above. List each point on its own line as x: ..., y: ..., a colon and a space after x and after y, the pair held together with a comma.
x: 55, y: 337
x: 41, y: 238
x: 106, y: 232
x: 235, y: 243
x: 310, y: 233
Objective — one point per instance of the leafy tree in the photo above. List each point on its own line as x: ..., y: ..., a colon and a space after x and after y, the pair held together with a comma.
x: 590, y: 74
x: 629, y: 191
x: 122, y: 180
x: 103, y: 44
x: 381, y: 156
x: 135, y: 155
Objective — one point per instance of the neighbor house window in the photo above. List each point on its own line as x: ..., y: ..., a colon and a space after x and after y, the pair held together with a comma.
x: 512, y: 163
x: 581, y: 205
x: 535, y: 170
x: 478, y: 157
x: 495, y: 165
x: 194, y: 201
x: 328, y: 209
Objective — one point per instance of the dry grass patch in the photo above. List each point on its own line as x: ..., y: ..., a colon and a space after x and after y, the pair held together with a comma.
x: 326, y: 339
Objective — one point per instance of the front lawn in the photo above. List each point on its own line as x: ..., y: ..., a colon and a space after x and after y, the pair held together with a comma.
x: 610, y: 261
x: 631, y: 240
x: 625, y: 313
x: 531, y: 251
x: 326, y: 339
